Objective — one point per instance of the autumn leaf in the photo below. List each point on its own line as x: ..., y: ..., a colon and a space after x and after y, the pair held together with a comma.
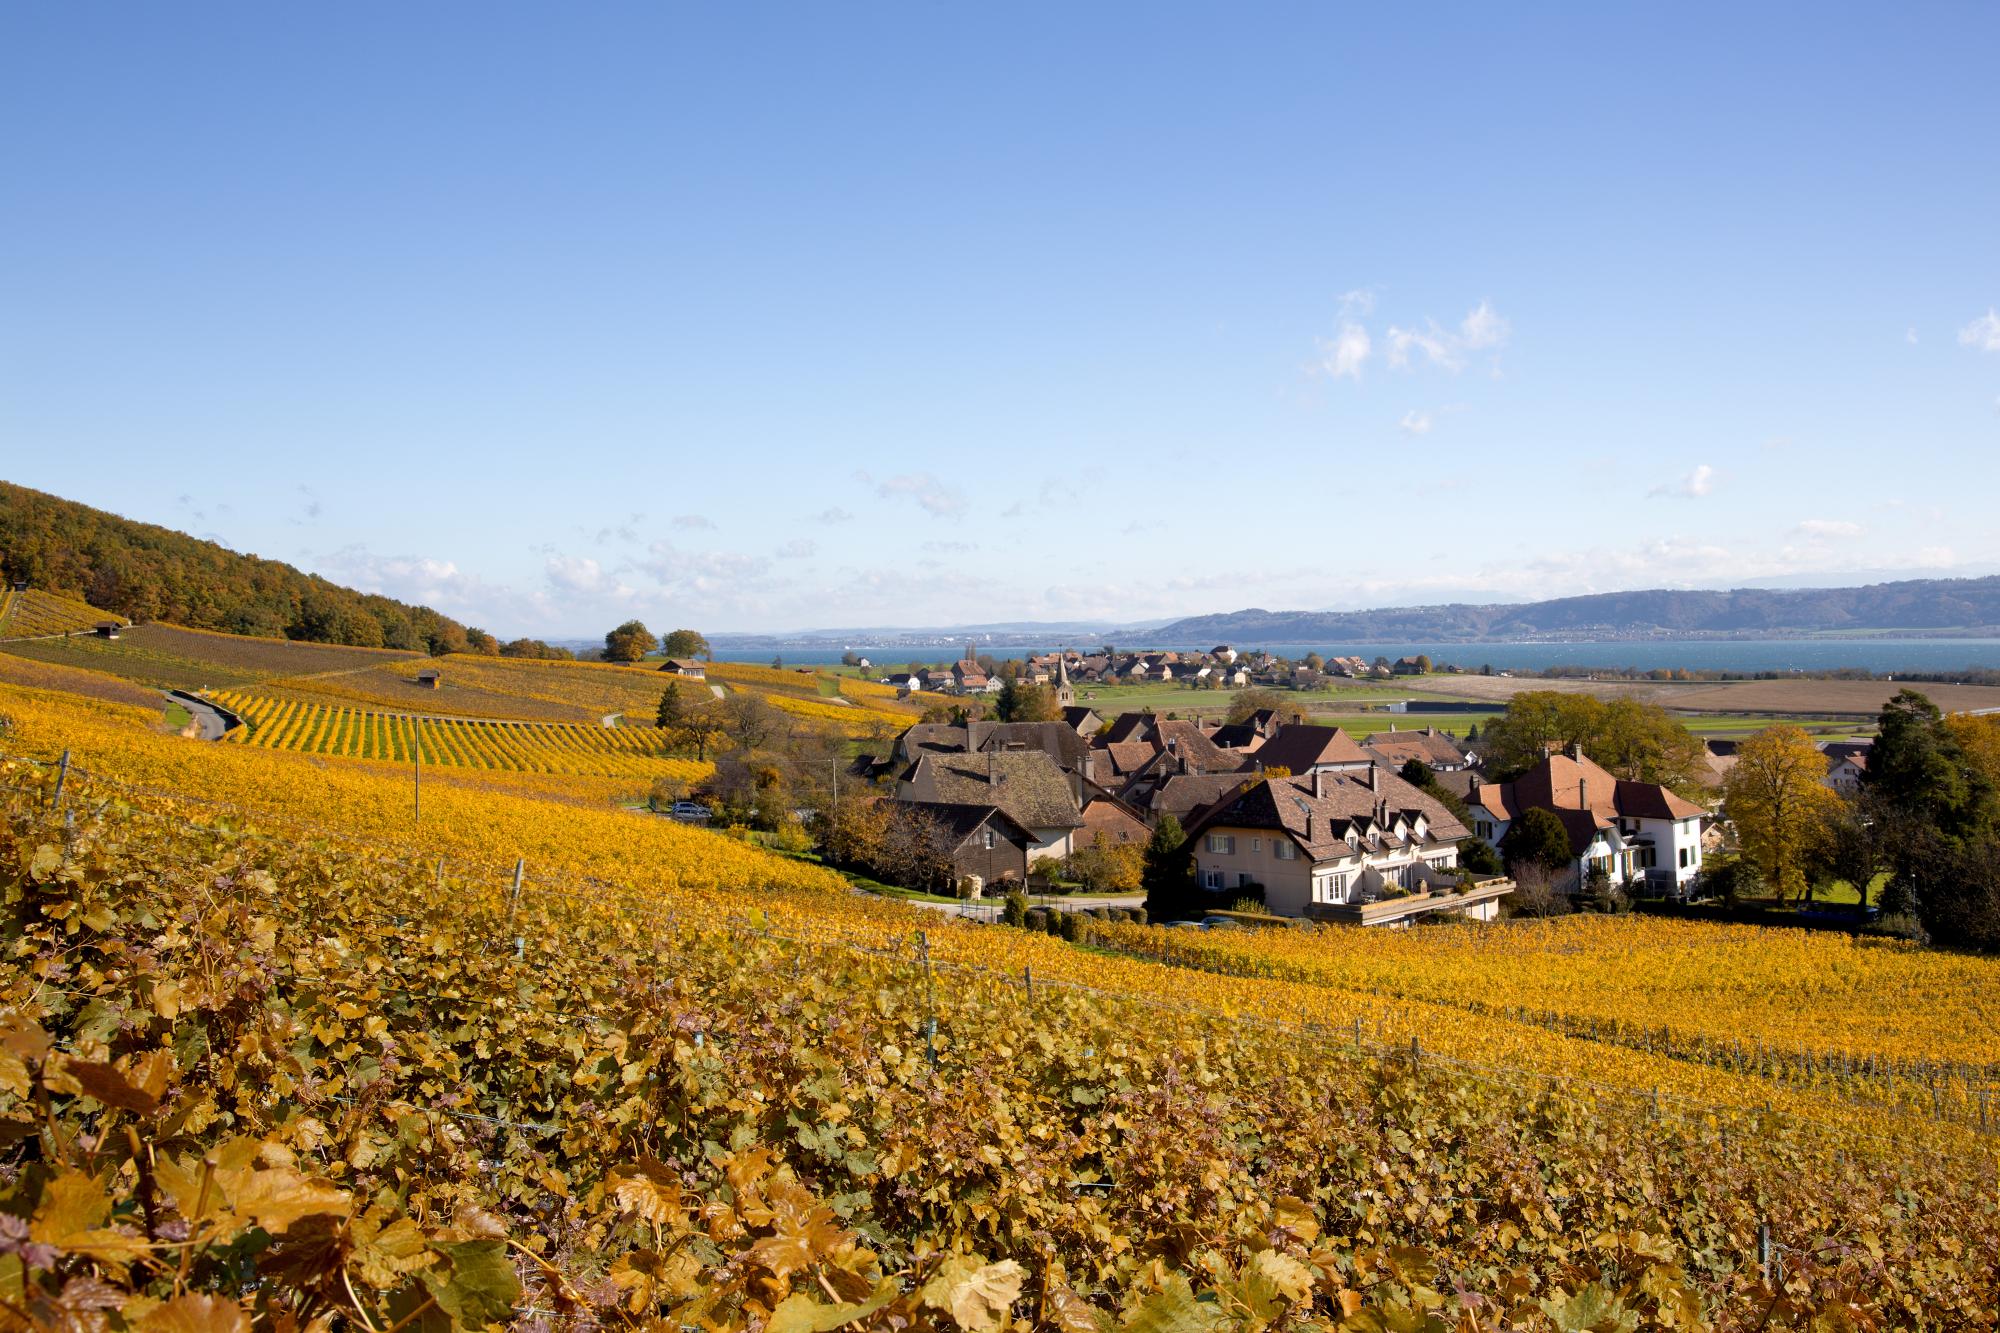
x: 193, y: 1313
x: 1174, y: 1309
x: 277, y: 1198
x: 976, y: 1294
x: 110, y: 1087
x: 799, y: 1313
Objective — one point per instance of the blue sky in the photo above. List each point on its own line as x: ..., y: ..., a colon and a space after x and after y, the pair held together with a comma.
x: 759, y: 318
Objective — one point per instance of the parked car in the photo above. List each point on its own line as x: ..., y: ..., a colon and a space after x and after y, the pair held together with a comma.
x: 1220, y: 923
x: 690, y: 810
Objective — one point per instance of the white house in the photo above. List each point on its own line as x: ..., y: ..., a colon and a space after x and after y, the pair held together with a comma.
x: 1368, y: 849
x: 1633, y: 831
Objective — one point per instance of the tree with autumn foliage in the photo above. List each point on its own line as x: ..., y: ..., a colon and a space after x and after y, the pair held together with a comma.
x: 1777, y: 797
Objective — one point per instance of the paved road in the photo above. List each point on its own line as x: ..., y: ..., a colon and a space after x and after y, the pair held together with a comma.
x: 211, y: 723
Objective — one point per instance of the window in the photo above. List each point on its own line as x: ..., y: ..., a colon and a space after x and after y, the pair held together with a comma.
x: 1284, y: 849
x: 1256, y: 844
x: 989, y: 840
x: 1485, y: 829
x: 1212, y: 879
x: 1684, y: 858
x: 1221, y: 844
x: 1330, y: 888
x: 1244, y: 880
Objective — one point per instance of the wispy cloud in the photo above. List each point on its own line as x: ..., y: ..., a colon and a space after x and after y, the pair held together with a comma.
x: 1342, y: 356
x: 1821, y: 528
x: 1483, y: 329
x: 1693, y: 486
x: 799, y: 548
x: 1416, y: 421
x: 693, y: 522
x: 833, y: 515
x: 932, y: 495
x: 1982, y: 333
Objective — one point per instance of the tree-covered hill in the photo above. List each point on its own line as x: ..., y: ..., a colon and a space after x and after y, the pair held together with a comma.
x: 147, y: 572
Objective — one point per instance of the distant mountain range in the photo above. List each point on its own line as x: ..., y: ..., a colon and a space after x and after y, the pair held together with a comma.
x: 1927, y: 606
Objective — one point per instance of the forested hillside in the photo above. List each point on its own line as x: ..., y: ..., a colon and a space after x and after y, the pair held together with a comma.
x: 146, y: 572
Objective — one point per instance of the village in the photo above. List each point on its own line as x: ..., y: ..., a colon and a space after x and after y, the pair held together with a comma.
x: 1282, y: 816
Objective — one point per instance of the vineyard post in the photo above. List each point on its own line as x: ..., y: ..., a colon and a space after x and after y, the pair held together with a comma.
x: 417, y: 769
x: 1028, y: 977
x: 1764, y: 1250
x: 930, y: 1012
x: 440, y: 875
x: 62, y: 776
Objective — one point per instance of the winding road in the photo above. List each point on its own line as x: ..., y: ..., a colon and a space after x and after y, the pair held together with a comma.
x: 213, y: 724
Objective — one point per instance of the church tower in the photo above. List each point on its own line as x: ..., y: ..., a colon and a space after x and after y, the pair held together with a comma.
x: 1065, y: 692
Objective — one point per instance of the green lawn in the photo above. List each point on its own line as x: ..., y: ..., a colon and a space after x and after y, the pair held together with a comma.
x: 178, y: 717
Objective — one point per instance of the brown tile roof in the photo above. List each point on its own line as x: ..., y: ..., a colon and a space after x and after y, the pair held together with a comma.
x: 1129, y: 727
x: 1339, y: 816
x: 1563, y: 782
x: 1397, y: 748
x: 1114, y: 821
x: 1027, y: 784
x: 1299, y: 746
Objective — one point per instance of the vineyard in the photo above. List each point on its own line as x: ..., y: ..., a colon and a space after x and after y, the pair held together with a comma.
x: 586, y: 1065
x: 1698, y: 993
x: 25, y: 615
x: 524, y: 747
x: 584, y: 1103
x: 169, y: 657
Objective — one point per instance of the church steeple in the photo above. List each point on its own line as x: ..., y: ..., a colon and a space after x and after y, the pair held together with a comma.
x: 1065, y: 692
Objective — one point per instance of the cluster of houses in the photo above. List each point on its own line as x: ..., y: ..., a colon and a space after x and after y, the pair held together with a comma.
x: 1319, y: 824
x: 1221, y: 667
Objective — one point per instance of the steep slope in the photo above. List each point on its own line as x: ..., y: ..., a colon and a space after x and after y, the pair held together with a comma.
x: 145, y: 572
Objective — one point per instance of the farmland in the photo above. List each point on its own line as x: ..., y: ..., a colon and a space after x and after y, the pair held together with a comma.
x: 1773, y: 698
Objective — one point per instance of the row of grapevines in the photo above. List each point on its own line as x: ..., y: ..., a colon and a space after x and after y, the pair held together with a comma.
x: 284, y: 1078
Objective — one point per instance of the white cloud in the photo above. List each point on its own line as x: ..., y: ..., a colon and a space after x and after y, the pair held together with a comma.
x: 1821, y: 528
x: 1483, y: 328
x: 1344, y: 354
x: 1357, y: 303
x: 936, y: 498
x: 834, y: 515
x: 693, y: 522
x: 798, y: 549
x: 1982, y: 333
x: 1693, y: 486
x: 1434, y: 343
x: 576, y: 575
x: 1936, y: 557
x: 1416, y: 421
x: 1910, y: 335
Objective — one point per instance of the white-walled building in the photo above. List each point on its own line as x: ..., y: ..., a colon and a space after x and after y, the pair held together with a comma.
x: 1363, y: 847
x: 1633, y: 831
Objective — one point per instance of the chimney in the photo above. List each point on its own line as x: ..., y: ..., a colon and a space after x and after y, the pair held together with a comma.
x: 1474, y: 791
x: 1319, y: 784
x: 992, y: 769
x: 1374, y: 777
x: 1309, y: 826
x: 1583, y: 792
